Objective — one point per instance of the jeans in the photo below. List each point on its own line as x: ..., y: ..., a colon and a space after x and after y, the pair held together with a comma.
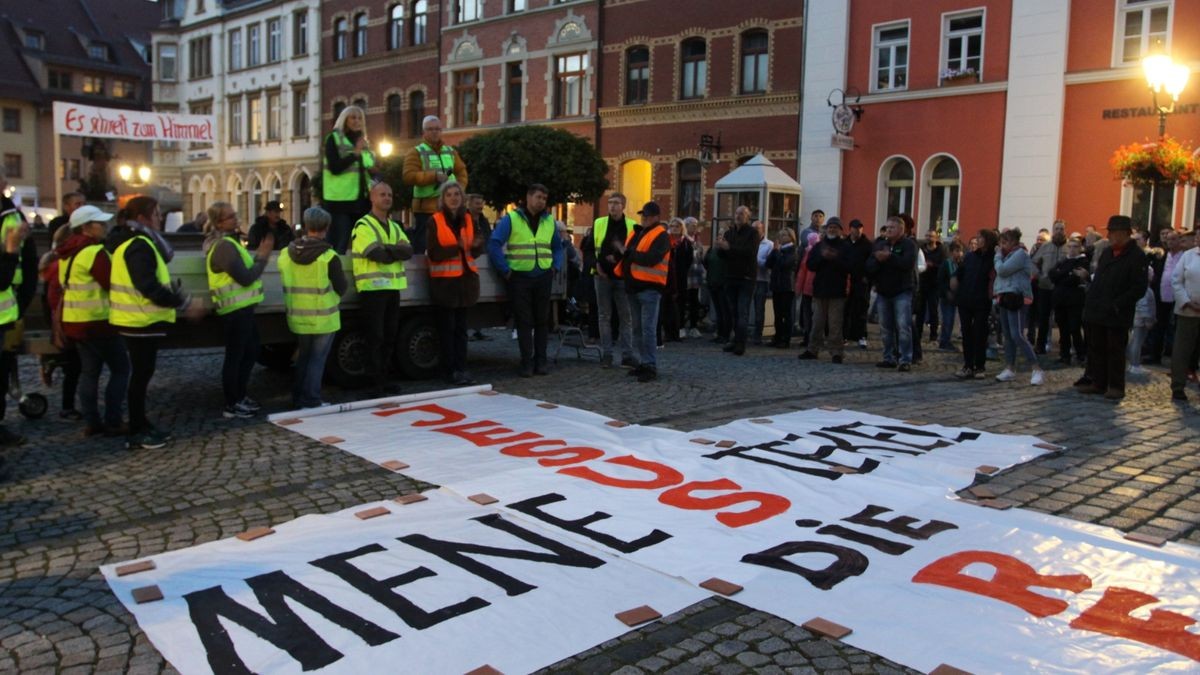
x: 340, y: 227
x: 806, y: 318
x: 530, y: 298
x: 1070, y: 331
x: 856, y: 310
x: 452, y: 338
x: 947, y: 308
x: 143, y: 358
x: 1162, y: 335
x: 610, y: 291
x: 783, y: 304
x: 722, y: 312
x: 1012, y: 325
x: 974, y: 323
x: 417, y: 234
x: 94, y: 354
x: 382, y: 312
x: 310, y: 366
x: 1137, y: 338
x: 762, y: 289
x: 926, y: 308
x: 1106, y: 357
x: 827, y: 321
x: 896, y: 323
x: 1187, y: 335
x: 643, y: 308
x: 241, y: 351
x: 741, y: 294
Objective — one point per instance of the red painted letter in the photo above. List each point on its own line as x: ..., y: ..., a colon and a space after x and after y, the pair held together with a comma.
x: 565, y: 455
x: 1164, y: 629
x: 664, y: 476
x: 1010, y: 584
x: 487, y: 436
x: 769, y: 505
x: 446, y: 415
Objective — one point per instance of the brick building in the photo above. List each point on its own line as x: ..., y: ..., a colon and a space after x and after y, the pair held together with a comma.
x: 729, y: 71
x: 85, y: 51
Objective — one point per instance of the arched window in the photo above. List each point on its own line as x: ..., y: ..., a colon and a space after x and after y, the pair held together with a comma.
x: 636, y: 181
x: 943, y: 195
x: 257, y: 204
x: 276, y: 190
x: 416, y: 109
x: 235, y: 194
x: 395, y: 116
x: 396, y: 27
x: 637, y: 75
x: 420, y: 22
x: 360, y: 34
x: 690, y: 190
x: 693, y: 68
x: 754, y: 62
x: 898, y: 188
x: 341, y: 40
x: 302, y: 196
x: 338, y: 107
x: 362, y: 103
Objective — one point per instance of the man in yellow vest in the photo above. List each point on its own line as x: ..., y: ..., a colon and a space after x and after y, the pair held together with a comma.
x: 427, y: 166
x: 526, y: 250
x: 235, y: 282
x: 313, y: 284
x: 609, y: 234
x: 19, y: 288
x: 143, y: 303
x: 85, y: 272
x: 646, y: 266
x: 378, y: 251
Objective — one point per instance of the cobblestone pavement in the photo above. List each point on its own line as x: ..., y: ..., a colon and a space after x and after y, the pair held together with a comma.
x: 69, y: 505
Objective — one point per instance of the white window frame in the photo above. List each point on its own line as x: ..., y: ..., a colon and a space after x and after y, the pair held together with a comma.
x: 926, y: 191
x: 236, y: 62
x: 460, y: 11
x: 236, y: 117
x: 253, y: 45
x: 875, y: 45
x: 944, y: 57
x: 174, y: 74
x: 1146, y: 7
x: 300, y: 32
x: 274, y: 40
x: 881, y: 195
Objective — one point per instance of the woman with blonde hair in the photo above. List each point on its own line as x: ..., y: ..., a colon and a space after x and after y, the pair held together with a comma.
x: 348, y: 165
x: 453, y: 244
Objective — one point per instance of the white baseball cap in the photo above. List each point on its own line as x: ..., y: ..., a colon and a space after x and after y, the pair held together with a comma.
x: 88, y: 214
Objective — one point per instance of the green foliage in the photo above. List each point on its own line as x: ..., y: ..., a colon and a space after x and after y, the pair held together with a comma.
x: 504, y: 163
x: 391, y: 170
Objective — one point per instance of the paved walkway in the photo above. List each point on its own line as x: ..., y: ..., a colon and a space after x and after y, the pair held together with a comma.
x: 69, y: 506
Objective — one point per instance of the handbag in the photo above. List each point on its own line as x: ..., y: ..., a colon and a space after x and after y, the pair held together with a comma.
x: 1012, y: 301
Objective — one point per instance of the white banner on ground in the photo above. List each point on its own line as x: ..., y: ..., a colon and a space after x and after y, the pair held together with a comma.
x: 440, y: 586
x: 820, y: 513
x: 75, y: 119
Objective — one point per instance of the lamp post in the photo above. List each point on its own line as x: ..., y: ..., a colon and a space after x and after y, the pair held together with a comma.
x: 1163, y: 74
x: 386, y: 148
x: 127, y: 172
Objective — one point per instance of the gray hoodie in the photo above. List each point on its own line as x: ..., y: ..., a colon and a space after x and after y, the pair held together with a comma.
x: 306, y: 250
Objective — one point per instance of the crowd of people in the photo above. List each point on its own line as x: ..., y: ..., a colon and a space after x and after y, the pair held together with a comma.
x: 1117, y: 302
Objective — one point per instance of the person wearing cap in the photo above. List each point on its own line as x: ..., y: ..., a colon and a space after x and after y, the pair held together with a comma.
x: 84, y: 274
x: 379, y: 248
x: 525, y: 250
x: 426, y: 167
x: 1120, y: 280
x: 646, y: 268
x: 235, y: 284
x: 271, y: 221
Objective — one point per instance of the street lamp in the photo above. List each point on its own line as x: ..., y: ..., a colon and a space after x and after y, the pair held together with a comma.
x: 126, y: 173
x: 386, y: 148
x: 1163, y: 74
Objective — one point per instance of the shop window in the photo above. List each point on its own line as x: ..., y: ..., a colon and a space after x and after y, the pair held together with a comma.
x: 962, y: 46
x: 637, y: 75
x: 754, y: 62
x: 890, y: 58
x: 694, y: 68
x: 1142, y: 29
x: 690, y: 189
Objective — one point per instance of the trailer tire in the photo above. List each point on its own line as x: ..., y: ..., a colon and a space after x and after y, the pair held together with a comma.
x: 418, y: 350
x: 33, y: 406
x: 347, y: 362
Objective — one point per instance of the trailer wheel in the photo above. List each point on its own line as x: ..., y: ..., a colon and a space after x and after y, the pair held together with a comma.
x: 347, y: 362
x: 277, y: 357
x: 418, y: 351
x: 33, y: 406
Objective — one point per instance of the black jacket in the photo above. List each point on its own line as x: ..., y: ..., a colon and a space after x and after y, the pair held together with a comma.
x: 658, y: 250
x: 975, y: 279
x: 616, y: 232
x: 1069, y: 289
x: 896, y: 274
x: 1119, y: 282
x: 933, y: 263
x: 860, y: 251
x: 783, y: 263
x: 741, y: 260
x: 282, y: 231
x: 831, y: 276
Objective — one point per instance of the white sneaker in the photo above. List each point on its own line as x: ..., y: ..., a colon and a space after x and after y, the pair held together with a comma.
x: 862, y: 343
x: 1038, y: 377
x: 694, y: 333
x: 1006, y: 375
x: 1137, y: 370
x: 682, y: 333
x: 514, y: 334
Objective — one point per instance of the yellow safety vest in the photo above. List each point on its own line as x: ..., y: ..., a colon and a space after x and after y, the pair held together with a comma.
x: 127, y: 306
x: 526, y: 250
x: 84, y: 299
x: 442, y: 160
x: 368, y: 274
x: 12, y: 219
x: 227, y: 294
x: 344, y: 186
x: 599, y: 230
x: 312, y: 304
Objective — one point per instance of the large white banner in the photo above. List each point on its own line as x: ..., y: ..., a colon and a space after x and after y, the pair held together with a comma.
x: 834, y: 514
x: 74, y: 119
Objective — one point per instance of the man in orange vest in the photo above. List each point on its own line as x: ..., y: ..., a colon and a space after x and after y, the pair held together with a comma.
x: 645, y: 267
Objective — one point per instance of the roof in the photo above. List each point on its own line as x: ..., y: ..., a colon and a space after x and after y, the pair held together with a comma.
x: 757, y: 173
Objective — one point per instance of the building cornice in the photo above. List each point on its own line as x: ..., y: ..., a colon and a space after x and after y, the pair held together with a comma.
x: 739, y: 107
x: 379, y: 60
x: 935, y: 92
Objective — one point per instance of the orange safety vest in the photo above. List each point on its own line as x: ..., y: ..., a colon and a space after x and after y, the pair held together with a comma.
x: 652, y: 275
x: 449, y: 269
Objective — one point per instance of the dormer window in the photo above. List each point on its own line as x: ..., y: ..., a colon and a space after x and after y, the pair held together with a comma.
x: 35, y: 39
x: 98, y: 51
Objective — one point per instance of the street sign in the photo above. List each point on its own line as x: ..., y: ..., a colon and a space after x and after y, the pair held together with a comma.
x: 842, y: 142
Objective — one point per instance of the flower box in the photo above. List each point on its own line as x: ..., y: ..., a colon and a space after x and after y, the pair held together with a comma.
x: 1163, y: 161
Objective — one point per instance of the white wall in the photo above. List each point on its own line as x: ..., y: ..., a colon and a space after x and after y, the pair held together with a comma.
x: 826, y: 33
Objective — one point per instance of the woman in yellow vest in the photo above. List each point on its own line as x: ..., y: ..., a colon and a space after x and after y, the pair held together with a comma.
x: 453, y: 277
x: 235, y: 282
x: 10, y: 260
x: 347, y: 167
x: 84, y: 273
x: 313, y: 283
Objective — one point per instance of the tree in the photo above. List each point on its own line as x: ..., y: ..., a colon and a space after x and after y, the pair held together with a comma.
x: 391, y: 171
x: 504, y: 163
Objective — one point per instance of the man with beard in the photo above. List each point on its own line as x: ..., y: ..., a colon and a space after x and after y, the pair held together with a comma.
x: 1045, y: 259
